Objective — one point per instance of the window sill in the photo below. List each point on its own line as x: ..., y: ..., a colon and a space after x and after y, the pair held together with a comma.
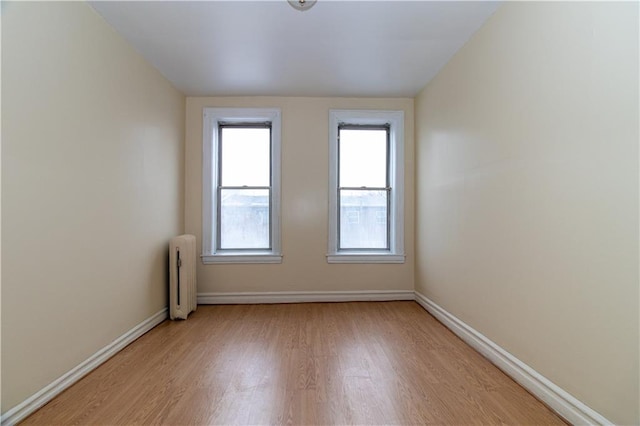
x: 365, y: 258
x: 209, y: 259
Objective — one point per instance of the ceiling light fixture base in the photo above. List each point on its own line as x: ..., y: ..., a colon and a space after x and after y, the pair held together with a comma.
x: 302, y: 5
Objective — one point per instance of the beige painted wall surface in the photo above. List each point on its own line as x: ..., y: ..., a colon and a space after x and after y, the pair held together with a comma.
x: 92, y: 166
x: 305, y: 174
x: 527, y: 194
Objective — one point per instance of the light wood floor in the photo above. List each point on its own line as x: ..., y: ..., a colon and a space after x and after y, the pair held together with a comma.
x: 323, y: 363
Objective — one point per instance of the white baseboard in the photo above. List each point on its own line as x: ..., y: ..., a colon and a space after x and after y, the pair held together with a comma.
x: 303, y: 297
x: 566, y: 405
x: 31, y: 404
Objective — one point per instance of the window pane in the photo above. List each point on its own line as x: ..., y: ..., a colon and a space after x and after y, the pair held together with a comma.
x: 245, y: 158
x: 363, y: 158
x: 363, y: 219
x: 244, y: 219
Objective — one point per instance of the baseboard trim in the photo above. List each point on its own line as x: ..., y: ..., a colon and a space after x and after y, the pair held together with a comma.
x: 303, y: 297
x: 564, y: 404
x: 46, y: 394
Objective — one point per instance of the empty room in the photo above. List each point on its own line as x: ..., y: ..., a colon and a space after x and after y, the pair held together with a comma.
x: 320, y: 212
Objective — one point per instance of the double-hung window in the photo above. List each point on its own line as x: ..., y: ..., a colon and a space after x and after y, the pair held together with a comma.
x: 241, y: 185
x: 366, y: 187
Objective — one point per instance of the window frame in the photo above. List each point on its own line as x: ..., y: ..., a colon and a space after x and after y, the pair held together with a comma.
x: 386, y: 187
x: 213, y: 118
x: 395, y: 121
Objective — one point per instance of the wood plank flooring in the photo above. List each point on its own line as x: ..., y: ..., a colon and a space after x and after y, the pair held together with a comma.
x: 322, y: 363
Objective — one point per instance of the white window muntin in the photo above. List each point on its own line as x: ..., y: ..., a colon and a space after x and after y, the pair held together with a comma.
x: 213, y: 118
x: 395, y: 121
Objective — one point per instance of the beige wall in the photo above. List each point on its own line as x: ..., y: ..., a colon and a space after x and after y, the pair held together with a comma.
x: 92, y: 182
x: 527, y: 194
x: 305, y: 175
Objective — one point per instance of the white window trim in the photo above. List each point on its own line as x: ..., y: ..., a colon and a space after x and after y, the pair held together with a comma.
x: 395, y: 119
x: 210, y: 119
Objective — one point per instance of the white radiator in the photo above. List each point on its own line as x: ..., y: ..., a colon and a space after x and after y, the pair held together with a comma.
x: 182, y: 276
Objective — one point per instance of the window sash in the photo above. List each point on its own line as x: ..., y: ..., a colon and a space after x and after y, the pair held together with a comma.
x: 242, y: 125
x: 387, y: 246
x: 347, y: 126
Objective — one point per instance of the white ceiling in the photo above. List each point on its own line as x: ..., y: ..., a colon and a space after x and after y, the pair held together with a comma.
x: 336, y: 48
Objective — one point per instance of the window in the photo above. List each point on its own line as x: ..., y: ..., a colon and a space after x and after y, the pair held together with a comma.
x: 241, y: 186
x: 366, y: 187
